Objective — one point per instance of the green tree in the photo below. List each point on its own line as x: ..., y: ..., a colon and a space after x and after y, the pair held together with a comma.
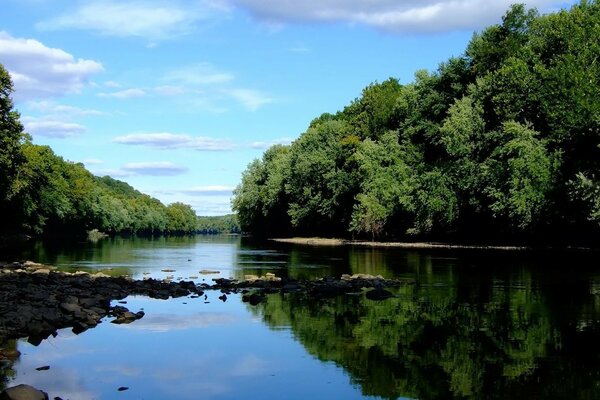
x: 321, y: 186
x: 181, y: 218
x: 260, y: 199
x: 519, y: 175
x: 386, y: 186
x: 12, y: 138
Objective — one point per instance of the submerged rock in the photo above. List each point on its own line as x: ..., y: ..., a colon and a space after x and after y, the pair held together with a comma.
x: 23, y: 392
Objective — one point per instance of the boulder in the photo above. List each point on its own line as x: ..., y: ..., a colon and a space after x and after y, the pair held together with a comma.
x: 23, y: 392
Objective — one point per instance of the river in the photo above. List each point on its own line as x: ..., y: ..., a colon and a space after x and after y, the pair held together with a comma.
x: 478, y: 324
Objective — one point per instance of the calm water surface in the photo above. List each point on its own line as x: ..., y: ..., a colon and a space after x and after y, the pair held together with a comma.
x: 477, y: 325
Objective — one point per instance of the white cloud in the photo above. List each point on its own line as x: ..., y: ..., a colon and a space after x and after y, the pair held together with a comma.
x: 169, y: 90
x: 151, y: 19
x: 215, y: 190
x: 125, y: 94
x: 112, y: 84
x: 39, y: 71
x: 209, y: 88
x: 203, y: 73
x: 251, y: 99
x: 51, y: 127
x: 92, y: 161
x: 210, y: 205
x: 412, y: 16
x: 115, y: 173
x: 166, y: 140
x: 53, y: 108
x: 266, y: 145
x: 156, y: 168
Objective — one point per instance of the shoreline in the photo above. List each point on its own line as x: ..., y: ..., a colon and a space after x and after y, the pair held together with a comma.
x: 36, y: 300
x: 337, y: 242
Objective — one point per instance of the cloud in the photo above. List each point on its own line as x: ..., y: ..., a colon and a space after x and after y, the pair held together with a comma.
x: 216, y: 190
x: 112, y: 84
x: 203, y: 73
x: 408, y: 16
x: 210, y: 205
x: 125, y: 94
x: 169, y: 90
x: 153, y: 20
x: 92, y: 161
x: 165, y: 140
x: 115, y: 173
x: 266, y: 145
x: 53, y: 108
x: 156, y: 168
x: 51, y: 127
x: 251, y: 99
x: 39, y: 71
x: 211, y: 87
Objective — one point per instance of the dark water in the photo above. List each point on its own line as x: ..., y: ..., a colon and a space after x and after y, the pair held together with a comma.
x: 477, y: 325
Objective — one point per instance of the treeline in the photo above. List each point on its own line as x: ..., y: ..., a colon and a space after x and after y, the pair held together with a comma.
x: 42, y: 194
x: 501, y: 142
x: 221, y: 224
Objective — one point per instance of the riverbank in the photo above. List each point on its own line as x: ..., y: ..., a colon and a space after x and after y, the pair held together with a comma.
x: 316, y: 241
x: 36, y: 300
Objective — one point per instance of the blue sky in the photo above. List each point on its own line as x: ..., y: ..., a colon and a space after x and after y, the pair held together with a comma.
x: 177, y: 97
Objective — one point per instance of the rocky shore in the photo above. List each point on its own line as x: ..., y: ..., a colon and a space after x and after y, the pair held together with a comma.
x: 36, y: 300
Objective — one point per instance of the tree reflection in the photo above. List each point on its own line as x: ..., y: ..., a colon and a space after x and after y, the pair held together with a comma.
x: 497, y: 340
x: 8, y: 357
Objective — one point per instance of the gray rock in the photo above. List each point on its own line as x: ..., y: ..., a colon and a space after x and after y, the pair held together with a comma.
x: 23, y: 392
x: 70, y: 307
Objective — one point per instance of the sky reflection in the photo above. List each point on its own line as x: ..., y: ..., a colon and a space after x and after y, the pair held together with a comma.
x: 196, y: 350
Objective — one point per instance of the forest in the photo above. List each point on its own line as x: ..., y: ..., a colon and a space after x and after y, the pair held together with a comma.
x: 499, y: 143
x: 42, y: 194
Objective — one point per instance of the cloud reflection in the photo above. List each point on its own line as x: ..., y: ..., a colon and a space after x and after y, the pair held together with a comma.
x: 167, y: 322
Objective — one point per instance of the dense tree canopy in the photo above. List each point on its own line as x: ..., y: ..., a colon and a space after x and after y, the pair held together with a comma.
x: 500, y: 142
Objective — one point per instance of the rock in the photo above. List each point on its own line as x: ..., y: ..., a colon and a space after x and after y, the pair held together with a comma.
x: 253, y: 298
x: 123, y: 388
x: 43, y: 271
x: 125, y: 318
x: 23, y: 392
x: 209, y: 272
x: 44, y: 368
x: 70, y: 307
x: 379, y: 294
x: 167, y: 270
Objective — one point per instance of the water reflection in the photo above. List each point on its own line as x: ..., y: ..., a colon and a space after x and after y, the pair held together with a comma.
x: 489, y: 334
x: 477, y: 325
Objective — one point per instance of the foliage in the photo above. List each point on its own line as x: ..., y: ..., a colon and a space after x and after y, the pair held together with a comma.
x: 11, y: 138
x: 221, y: 224
x: 499, y: 142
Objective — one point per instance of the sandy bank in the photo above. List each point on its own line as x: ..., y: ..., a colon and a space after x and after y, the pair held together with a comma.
x: 400, y: 245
